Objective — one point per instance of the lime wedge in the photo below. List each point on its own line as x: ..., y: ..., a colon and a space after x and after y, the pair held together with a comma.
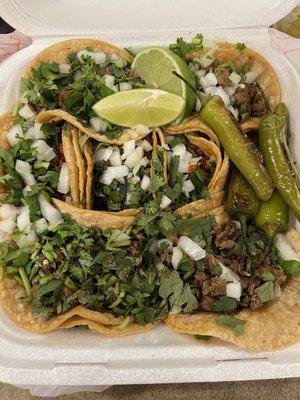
x: 150, y: 107
x: 155, y: 65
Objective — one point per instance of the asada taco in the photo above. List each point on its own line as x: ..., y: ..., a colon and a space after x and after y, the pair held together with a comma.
x: 243, y: 78
x: 66, y: 79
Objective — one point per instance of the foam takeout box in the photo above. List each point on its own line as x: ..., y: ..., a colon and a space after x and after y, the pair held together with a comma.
x: 78, y: 356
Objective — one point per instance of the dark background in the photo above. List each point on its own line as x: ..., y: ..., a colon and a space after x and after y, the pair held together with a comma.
x: 4, y: 27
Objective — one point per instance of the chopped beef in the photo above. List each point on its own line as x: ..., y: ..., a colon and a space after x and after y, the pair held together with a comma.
x: 214, y: 287
x: 197, y: 293
x: 222, y: 74
x: 200, y: 278
x: 63, y: 96
x: 255, y: 302
x: 132, y: 74
x: 226, y: 236
x: 60, y: 158
x: 236, y: 264
x: 66, y: 292
x: 207, y: 302
x: 106, y: 71
x: 251, y: 100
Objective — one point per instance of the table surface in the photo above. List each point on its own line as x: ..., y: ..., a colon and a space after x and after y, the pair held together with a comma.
x: 282, y: 389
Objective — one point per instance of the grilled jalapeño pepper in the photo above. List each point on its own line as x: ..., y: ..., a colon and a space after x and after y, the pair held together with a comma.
x: 272, y: 215
x: 241, y: 150
x: 241, y: 198
x: 277, y: 158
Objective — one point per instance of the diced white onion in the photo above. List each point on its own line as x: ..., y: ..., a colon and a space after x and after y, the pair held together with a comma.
x: 200, y: 73
x: 123, y: 86
x: 99, y: 57
x: 112, y: 173
x: 77, y: 75
x: 8, y: 211
x: 159, y: 266
x: 285, y: 249
x: 146, y: 145
x: 204, y: 82
x: 109, y: 80
x: 52, y: 215
x: 103, y: 154
x: 134, y: 157
x: 98, y: 124
x: 176, y: 257
x: 35, y: 132
x: 44, y: 151
x: 63, y: 181
x: 175, y: 310
x: 23, y: 168
x: 234, y: 289
x: 121, y: 180
x: 179, y: 150
x: 142, y: 163
x: 23, y: 220
x: 14, y: 134
x: 211, y: 79
x: 209, y: 89
x: 198, y: 105
x: 228, y: 275
x: 165, y: 202
x: 252, y: 75
x: 188, y: 187
x: 219, y: 91
x: 64, y: 68
x: 145, y: 183
x: 26, y: 112
x: 192, y: 249
x: 115, y: 88
x: 115, y: 158
x: 128, y: 148
x: 7, y: 225
x: 206, y: 60
x: 235, y: 78
x: 141, y: 129
x: 41, y: 225
x: 136, y: 179
x: 241, y: 85
x: 26, y: 189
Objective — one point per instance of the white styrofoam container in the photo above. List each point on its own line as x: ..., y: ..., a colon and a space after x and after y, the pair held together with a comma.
x: 78, y: 356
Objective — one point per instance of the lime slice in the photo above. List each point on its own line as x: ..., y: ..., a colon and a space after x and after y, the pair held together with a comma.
x: 155, y: 65
x: 150, y: 107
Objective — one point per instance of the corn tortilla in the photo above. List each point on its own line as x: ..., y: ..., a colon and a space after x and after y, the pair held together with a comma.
x: 88, y: 154
x: 81, y: 166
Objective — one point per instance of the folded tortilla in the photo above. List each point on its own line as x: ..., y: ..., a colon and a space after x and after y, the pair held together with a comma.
x: 272, y: 327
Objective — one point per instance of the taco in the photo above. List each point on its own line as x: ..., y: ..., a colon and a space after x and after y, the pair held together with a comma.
x: 66, y: 79
x: 244, y: 80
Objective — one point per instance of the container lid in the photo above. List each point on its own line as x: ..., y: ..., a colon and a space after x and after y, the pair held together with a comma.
x: 117, y: 17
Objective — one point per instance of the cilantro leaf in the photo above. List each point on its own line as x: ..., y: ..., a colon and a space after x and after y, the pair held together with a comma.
x: 182, y: 47
x: 203, y: 337
x: 225, y: 303
x: 290, y: 267
x: 240, y: 46
x: 156, y: 183
x: 267, y: 277
x: 234, y: 323
x: 265, y: 292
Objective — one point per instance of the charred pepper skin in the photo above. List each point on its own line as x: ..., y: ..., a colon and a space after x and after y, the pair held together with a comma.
x: 272, y: 130
x: 241, y: 198
x: 272, y: 215
x: 241, y: 150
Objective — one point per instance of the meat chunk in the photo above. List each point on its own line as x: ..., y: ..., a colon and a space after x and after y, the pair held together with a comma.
x: 255, y: 302
x: 251, y: 99
x: 62, y: 97
x: 214, y: 287
x: 226, y: 236
x: 222, y: 74
x: 242, y: 96
x: 200, y: 278
x: 206, y: 303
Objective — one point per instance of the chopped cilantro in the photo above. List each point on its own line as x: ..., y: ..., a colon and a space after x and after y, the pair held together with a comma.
x: 224, y: 303
x: 240, y: 46
x: 291, y: 267
x: 267, y: 277
x: 236, y: 324
x: 181, y: 47
x: 265, y: 292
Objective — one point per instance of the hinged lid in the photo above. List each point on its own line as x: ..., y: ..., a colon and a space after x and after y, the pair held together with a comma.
x: 117, y: 17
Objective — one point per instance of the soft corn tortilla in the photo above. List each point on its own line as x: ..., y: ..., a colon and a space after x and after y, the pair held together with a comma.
x: 267, y: 79
x: 22, y: 315
x: 70, y: 157
x: 88, y: 154
x: 126, y: 135
x: 6, y: 122
x: 81, y: 166
x: 271, y: 328
x: 97, y: 219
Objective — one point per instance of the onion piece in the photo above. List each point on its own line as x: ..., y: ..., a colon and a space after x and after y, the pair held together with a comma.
x: 115, y: 157
x: 7, y: 225
x: 128, y: 148
x: 176, y: 257
x: 188, y: 187
x: 99, y: 57
x: 200, y: 73
x: 198, y: 105
x: 234, y: 111
x: 113, y: 57
x: 175, y: 310
x: 206, y: 60
x: 145, y: 183
x: 109, y: 80
x: 235, y: 78
x: 102, y: 154
x: 8, y: 211
x: 112, y: 173
x: 191, y: 248
x: 64, y: 68
x: 44, y: 151
x: 98, y: 124
x: 52, y: 215
x: 234, y: 289
x: 285, y: 249
x: 165, y: 202
x: 63, y: 181
x: 204, y: 82
x: 26, y: 112
x: 160, y: 266
x: 35, y: 132
x: 141, y: 129
x: 77, y: 75
x: 23, y: 168
x: 219, y: 91
x: 146, y: 145
x: 41, y: 225
x: 134, y: 157
x: 228, y: 275
x: 124, y: 86
x: 211, y: 79
x: 25, y: 190
x: 14, y: 134
x: 143, y: 162
x: 23, y: 219
x: 135, y: 179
